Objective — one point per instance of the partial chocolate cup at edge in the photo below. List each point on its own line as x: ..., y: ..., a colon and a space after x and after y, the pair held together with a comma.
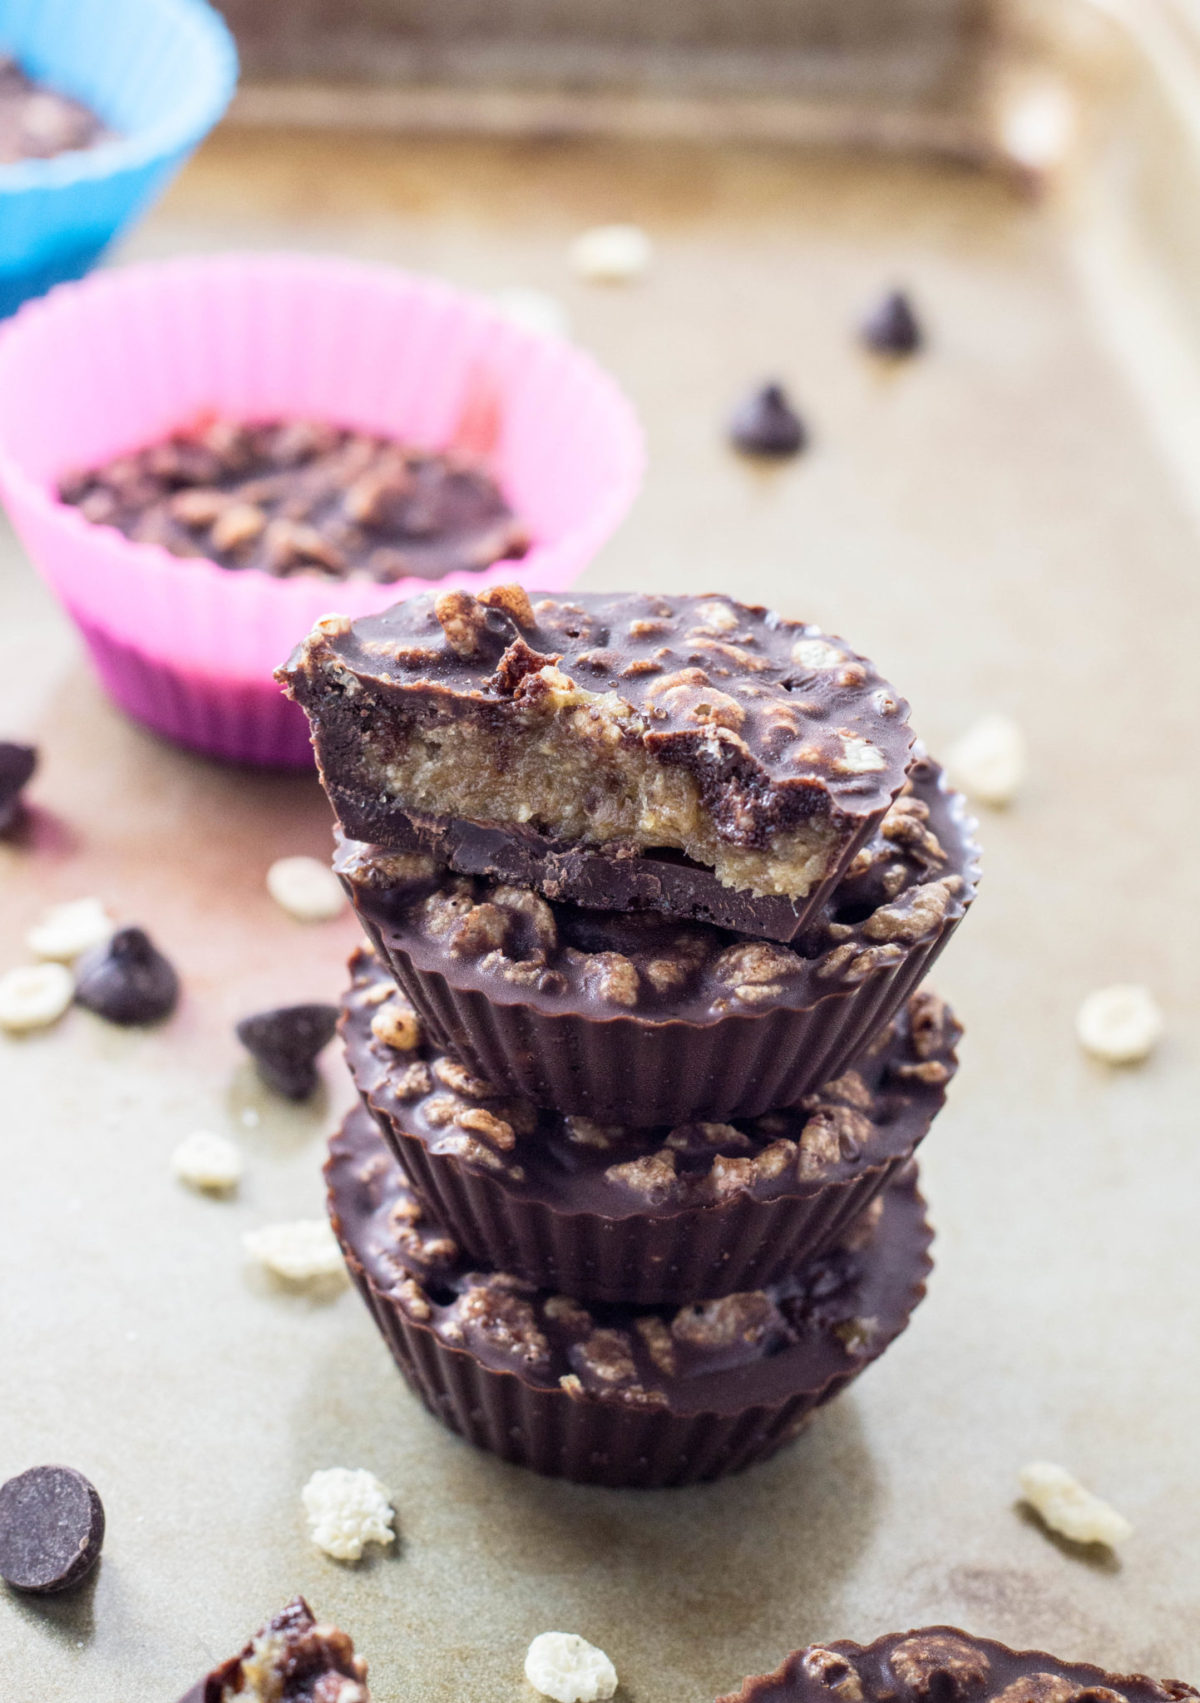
x: 933, y: 1661
x: 559, y: 1435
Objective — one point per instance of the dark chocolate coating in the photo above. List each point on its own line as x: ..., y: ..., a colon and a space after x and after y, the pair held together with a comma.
x: 51, y: 1529
x: 647, y: 1216
x: 127, y: 980
x: 892, y: 326
x: 284, y: 1044
x: 611, y: 1394
x: 767, y: 424
x: 307, y: 1660
x: 302, y: 497
x: 772, y: 720
x: 17, y: 764
x: 941, y: 1664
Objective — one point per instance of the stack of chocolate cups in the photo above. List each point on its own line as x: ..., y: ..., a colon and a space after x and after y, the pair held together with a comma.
x: 640, y: 1041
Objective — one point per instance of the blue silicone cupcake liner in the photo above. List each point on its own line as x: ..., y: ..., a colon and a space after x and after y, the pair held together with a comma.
x: 158, y: 72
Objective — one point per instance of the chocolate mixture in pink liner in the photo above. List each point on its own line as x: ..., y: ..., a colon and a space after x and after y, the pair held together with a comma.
x: 301, y: 498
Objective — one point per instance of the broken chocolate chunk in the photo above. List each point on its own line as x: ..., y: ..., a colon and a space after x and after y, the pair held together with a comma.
x: 292, y: 1659
x: 284, y: 1045
x: 892, y: 327
x: 17, y: 763
x: 767, y: 424
x: 51, y: 1529
x: 127, y: 980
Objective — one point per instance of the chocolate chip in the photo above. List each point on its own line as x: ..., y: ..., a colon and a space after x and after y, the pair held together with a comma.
x: 285, y: 1043
x: 127, y: 980
x: 767, y: 424
x: 892, y: 328
x: 17, y: 763
x: 51, y: 1528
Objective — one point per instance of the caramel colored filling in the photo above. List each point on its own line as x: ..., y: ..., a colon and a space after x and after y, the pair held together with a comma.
x: 573, y: 772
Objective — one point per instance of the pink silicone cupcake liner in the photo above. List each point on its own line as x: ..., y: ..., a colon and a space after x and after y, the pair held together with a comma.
x: 125, y: 358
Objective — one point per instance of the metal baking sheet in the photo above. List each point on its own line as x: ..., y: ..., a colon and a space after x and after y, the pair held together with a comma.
x: 1001, y: 527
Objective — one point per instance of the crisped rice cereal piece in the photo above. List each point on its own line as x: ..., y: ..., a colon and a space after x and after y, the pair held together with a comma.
x: 1068, y: 1508
x: 305, y: 888
x: 566, y: 1667
x: 207, y: 1161
x: 347, y: 1509
x: 611, y: 254
x: 305, y: 1251
x: 988, y: 762
x: 65, y: 931
x: 1121, y: 1024
x: 33, y: 996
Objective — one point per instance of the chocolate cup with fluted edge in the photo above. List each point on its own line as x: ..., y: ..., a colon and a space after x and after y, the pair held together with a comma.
x: 644, y: 1216
x: 627, y: 1397
x: 947, y: 1664
x: 715, y: 1055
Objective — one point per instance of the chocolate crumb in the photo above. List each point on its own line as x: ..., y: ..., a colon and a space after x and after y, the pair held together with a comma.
x: 284, y: 1045
x: 51, y: 1529
x: 767, y: 424
x: 892, y: 327
x: 17, y: 763
x: 127, y: 980
x: 292, y: 1659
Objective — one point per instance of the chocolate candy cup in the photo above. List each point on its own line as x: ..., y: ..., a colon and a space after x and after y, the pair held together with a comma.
x: 643, y: 1216
x: 942, y: 1663
x: 627, y: 1397
x: 762, y: 748
x: 677, y: 1058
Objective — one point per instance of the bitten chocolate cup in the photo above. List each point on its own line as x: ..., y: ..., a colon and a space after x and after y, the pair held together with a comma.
x: 621, y: 1396
x: 642, y: 1216
x: 762, y: 750
x: 632, y: 1018
x: 945, y: 1664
